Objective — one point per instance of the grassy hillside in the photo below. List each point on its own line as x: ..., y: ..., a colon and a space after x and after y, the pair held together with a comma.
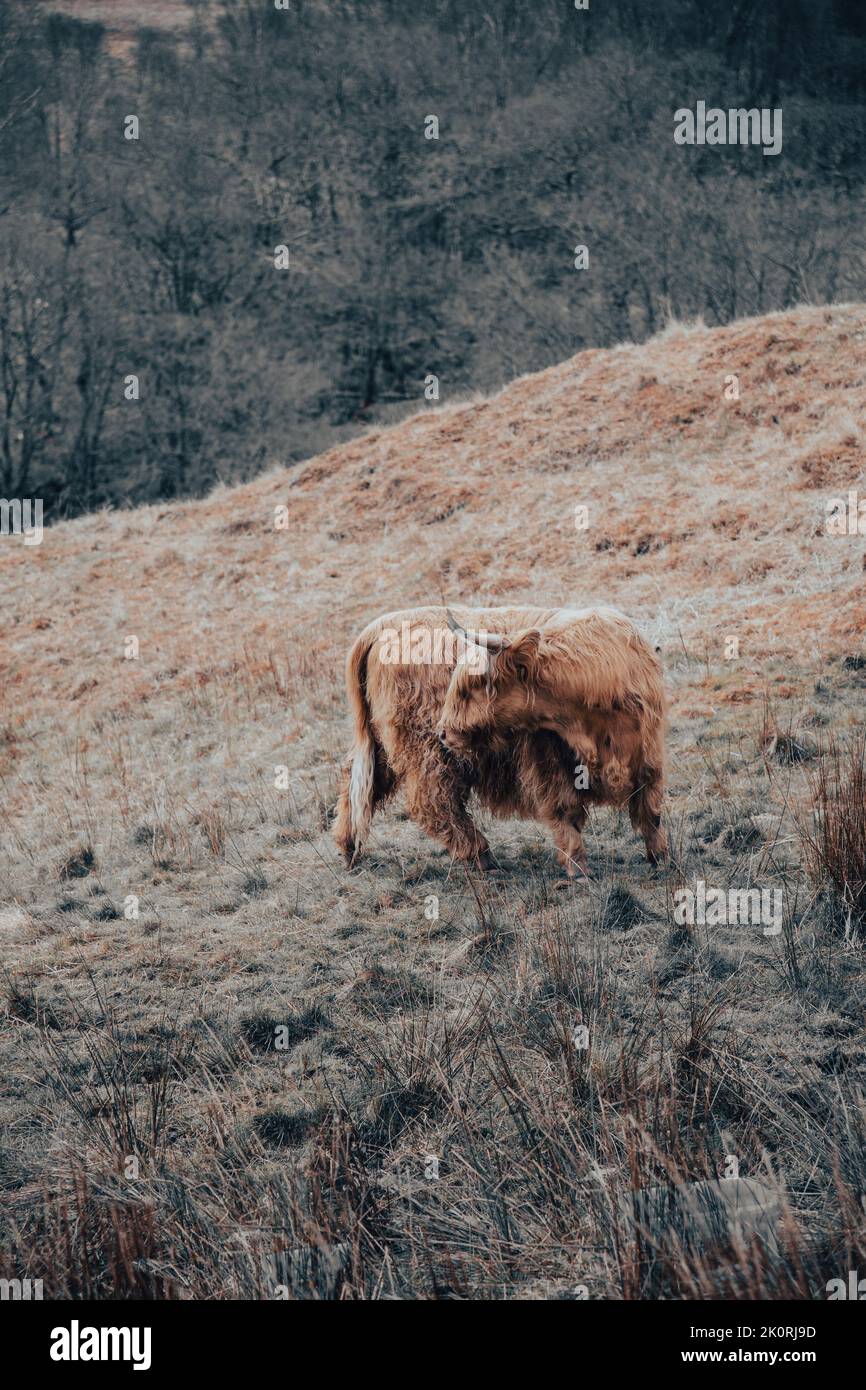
x: 153, y: 784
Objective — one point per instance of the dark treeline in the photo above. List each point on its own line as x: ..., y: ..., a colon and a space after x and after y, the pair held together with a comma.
x: 408, y: 256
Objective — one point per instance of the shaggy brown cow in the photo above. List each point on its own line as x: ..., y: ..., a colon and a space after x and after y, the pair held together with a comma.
x: 540, y: 712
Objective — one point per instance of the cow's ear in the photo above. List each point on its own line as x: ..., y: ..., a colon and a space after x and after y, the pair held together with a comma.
x: 520, y: 657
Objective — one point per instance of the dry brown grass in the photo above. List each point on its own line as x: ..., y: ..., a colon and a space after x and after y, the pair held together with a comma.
x: 834, y: 835
x: 125, y: 19
x: 174, y: 912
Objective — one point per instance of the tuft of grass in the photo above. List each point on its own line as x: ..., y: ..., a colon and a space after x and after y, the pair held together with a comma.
x: 254, y: 885
x: 378, y: 992
x: 833, y: 834
x: 106, y: 912
x: 265, y: 1032
x: 24, y: 1004
x: 211, y: 823
x: 622, y: 910
x: 77, y: 865
x: 283, y: 1129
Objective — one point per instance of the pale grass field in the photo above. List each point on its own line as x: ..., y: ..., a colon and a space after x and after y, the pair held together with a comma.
x: 125, y: 19
x: 410, y: 1038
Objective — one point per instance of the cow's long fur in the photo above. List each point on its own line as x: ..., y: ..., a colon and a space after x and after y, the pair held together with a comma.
x: 596, y: 697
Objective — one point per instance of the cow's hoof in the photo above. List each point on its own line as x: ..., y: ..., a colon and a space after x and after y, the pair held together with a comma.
x: 574, y: 880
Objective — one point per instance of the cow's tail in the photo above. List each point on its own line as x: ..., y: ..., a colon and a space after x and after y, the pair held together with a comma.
x: 357, y: 792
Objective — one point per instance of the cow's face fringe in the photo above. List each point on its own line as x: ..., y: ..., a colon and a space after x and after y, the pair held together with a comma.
x: 554, y: 681
x: 497, y: 701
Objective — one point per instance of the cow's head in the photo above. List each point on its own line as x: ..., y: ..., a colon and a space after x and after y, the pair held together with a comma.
x: 492, y: 693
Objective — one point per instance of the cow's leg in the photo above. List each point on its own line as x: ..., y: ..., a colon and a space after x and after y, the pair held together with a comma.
x: 645, y: 812
x: 568, y: 839
x: 343, y: 818
x: 436, y: 800
x: 547, y: 774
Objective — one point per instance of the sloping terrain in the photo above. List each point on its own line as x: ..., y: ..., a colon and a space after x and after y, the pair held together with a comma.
x: 706, y: 518
x: 173, y: 723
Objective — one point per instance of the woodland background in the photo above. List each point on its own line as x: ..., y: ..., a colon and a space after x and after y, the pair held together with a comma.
x: 408, y: 256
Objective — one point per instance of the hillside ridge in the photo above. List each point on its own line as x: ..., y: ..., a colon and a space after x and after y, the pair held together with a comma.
x: 705, y: 516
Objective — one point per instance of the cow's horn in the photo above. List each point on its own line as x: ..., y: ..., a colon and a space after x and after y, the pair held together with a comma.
x: 492, y: 641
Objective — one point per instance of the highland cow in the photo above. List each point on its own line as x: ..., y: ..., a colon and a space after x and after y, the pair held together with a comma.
x: 540, y: 713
